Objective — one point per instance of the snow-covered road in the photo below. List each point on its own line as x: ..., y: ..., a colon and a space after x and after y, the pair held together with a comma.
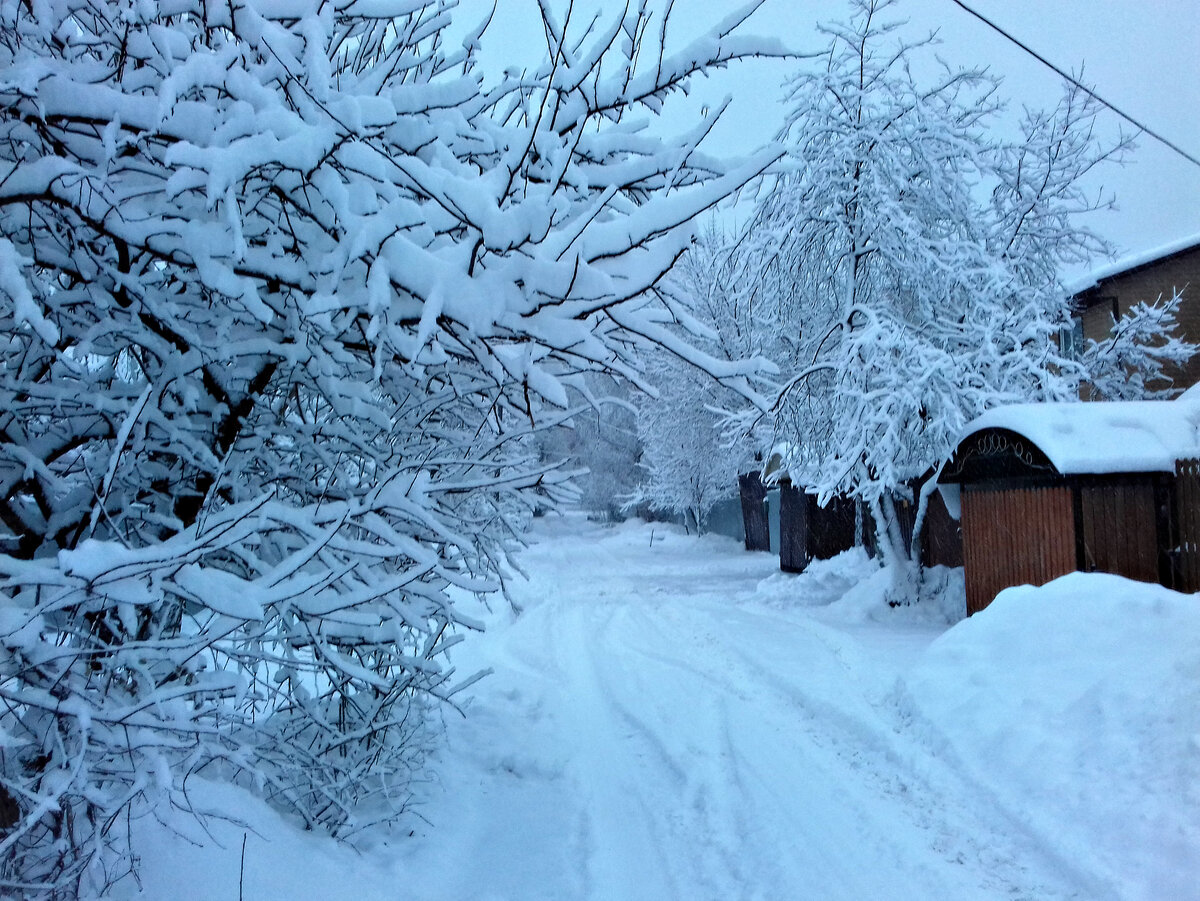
x: 672, y: 718
x: 657, y: 728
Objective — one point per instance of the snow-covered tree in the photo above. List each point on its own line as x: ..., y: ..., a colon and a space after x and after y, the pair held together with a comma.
x: 600, y: 445
x: 1137, y: 359
x: 286, y: 292
x: 688, y: 463
x: 909, y: 262
x: 691, y: 459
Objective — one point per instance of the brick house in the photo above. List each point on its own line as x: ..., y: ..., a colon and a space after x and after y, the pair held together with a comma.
x: 1110, y: 292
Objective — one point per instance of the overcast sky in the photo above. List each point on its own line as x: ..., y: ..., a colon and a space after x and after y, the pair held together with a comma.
x: 1141, y: 55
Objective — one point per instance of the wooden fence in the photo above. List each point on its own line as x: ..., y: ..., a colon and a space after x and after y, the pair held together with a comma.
x: 793, y: 528
x: 942, y: 543
x: 830, y: 528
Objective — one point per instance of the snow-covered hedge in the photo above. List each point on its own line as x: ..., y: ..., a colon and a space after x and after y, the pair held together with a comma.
x: 288, y: 289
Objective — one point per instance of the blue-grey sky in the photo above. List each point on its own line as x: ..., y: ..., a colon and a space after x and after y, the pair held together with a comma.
x: 1142, y: 55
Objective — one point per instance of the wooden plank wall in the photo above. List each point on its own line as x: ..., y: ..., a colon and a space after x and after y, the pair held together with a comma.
x: 1021, y: 536
x: 1120, y: 533
x: 1187, y: 519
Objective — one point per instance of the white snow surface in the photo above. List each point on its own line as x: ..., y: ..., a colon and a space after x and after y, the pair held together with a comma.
x: 672, y: 718
x: 1104, y: 436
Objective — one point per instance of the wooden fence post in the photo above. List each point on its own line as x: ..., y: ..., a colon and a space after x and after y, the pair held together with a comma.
x: 793, y: 528
x: 754, y: 512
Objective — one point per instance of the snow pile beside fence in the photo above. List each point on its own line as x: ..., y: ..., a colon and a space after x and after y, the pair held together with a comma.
x: 851, y: 587
x: 1087, y: 691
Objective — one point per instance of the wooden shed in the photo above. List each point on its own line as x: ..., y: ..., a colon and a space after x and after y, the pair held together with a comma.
x: 1047, y: 489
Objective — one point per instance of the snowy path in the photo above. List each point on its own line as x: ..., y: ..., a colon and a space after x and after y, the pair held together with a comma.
x: 657, y: 731
x: 684, y: 722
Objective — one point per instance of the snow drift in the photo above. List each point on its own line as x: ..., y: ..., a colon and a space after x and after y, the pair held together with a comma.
x: 1078, y: 705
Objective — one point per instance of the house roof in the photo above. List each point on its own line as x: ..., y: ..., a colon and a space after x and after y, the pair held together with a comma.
x: 1133, y: 262
x: 1081, y: 438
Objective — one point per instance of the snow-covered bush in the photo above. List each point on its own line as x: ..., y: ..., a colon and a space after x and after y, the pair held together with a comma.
x: 287, y: 294
x: 290, y: 647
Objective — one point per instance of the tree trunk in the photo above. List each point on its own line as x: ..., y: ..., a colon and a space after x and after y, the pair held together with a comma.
x: 893, y: 552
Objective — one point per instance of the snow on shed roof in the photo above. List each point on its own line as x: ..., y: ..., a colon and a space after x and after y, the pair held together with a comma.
x: 1104, y: 436
x: 1134, y: 261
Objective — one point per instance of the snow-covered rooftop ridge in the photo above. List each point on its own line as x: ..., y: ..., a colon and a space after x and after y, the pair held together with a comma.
x: 1133, y: 261
x: 1104, y: 436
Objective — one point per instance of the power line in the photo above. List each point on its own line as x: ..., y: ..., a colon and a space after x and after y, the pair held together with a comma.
x: 1045, y: 62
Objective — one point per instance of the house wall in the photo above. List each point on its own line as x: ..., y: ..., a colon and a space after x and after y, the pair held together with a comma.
x: 1116, y: 294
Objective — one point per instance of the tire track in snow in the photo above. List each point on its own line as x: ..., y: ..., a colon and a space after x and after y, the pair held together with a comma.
x: 784, y: 795
x: 939, y: 798
x: 699, y: 759
x: 691, y: 834
x: 616, y: 824
x: 741, y: 815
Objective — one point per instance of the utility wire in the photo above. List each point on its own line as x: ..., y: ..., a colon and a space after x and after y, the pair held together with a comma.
x: 1045, y: 62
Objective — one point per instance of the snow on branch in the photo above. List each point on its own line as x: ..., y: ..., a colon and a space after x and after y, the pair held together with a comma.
x: 290, y: 297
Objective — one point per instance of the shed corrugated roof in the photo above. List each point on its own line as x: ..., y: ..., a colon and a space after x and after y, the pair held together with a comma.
x: 1104, y: 436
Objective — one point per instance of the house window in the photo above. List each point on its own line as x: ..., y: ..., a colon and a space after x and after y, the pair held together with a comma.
x: 1070, y: 339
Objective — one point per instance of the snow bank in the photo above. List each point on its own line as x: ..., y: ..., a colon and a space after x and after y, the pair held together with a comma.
x: 1078, y: 705
x: 247, y: 850
x: 852, y: 588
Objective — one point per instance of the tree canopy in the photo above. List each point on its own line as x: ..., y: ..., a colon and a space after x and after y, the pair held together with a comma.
x: 907, y: 262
